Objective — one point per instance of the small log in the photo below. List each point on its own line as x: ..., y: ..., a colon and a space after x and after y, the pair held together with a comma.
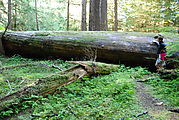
x: 48, y: 85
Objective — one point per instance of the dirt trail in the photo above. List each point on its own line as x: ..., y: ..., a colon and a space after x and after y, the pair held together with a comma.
x: 152, y: 104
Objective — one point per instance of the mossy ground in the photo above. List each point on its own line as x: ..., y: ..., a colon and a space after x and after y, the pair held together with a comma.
x: 13, y: 76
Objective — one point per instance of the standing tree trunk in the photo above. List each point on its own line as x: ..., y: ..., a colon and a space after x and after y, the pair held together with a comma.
x: 9, y: 14
x: 91, y: 16
x: 15, y: 16
x: 94, y: 17
x: 103, y: 15
x: 115, y: 16
x: 36, y: 14
x: 98, y: 15
x: 68, y: 14
x: 83, y: 21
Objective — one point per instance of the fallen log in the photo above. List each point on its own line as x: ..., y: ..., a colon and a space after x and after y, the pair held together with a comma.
x: 111, y: 47
x: 48, y: 85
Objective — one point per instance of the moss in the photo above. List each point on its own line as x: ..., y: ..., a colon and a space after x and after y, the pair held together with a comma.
x: 41, y: 34
x: 91, y: 36
x: 102, y: 68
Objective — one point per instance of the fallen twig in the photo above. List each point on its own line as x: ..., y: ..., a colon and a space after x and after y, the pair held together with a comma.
x: 174, y: 110
x: 57, y: 67
x: 140, y: 114
x: 44, y: 116
x: 9, y: 87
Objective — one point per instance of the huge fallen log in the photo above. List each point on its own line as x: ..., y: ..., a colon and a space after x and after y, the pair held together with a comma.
x: 48, y: 85
x: 111, y: 47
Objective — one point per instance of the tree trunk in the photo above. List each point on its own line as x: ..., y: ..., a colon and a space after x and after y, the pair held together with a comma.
x: 9, y: 14
x: 15, y: 16
x: 103, y: 15
x: 127, y: 48
x: 94, y: 17
x: 98, y: 15
x: 36, y: 15
x: 83, y: 20
x: 68, y: 14
x: 115, y: 16
x: 48, y: 85
x: 91, y: 16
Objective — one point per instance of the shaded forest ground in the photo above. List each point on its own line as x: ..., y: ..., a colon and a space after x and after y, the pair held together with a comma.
x: 157, y: 109
x: 114, y: 96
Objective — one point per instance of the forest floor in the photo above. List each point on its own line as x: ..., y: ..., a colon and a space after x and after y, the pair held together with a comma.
x: 117, y: 96
x: 155, y: 107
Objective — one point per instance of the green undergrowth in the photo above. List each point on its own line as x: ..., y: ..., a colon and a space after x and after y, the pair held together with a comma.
x: 107, y: 97
x: 167, y: 89
x: 173, y: 48
x: 103, y: 97
x: 173, y: 53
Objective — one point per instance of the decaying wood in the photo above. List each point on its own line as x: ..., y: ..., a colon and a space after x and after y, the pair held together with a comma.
x: 111, y: 47
x: 48, y: 85
x: 169, y: 74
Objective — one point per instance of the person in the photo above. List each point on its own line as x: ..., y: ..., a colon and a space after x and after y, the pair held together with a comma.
x: 161, y: 52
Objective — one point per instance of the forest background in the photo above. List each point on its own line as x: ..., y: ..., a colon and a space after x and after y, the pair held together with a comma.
x: 62, y: 15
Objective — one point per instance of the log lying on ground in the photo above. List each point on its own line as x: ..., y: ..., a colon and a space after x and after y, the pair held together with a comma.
x: 111, y: 47
x: 48, y: 85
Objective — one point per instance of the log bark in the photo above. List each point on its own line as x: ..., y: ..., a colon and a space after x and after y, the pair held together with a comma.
x: 134, y: 49
x: 48, y: 85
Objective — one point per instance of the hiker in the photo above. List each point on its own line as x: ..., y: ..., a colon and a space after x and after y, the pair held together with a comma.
x: 161, y: 52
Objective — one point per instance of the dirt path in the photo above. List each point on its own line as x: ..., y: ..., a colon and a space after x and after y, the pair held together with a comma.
x: 155, y: 107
